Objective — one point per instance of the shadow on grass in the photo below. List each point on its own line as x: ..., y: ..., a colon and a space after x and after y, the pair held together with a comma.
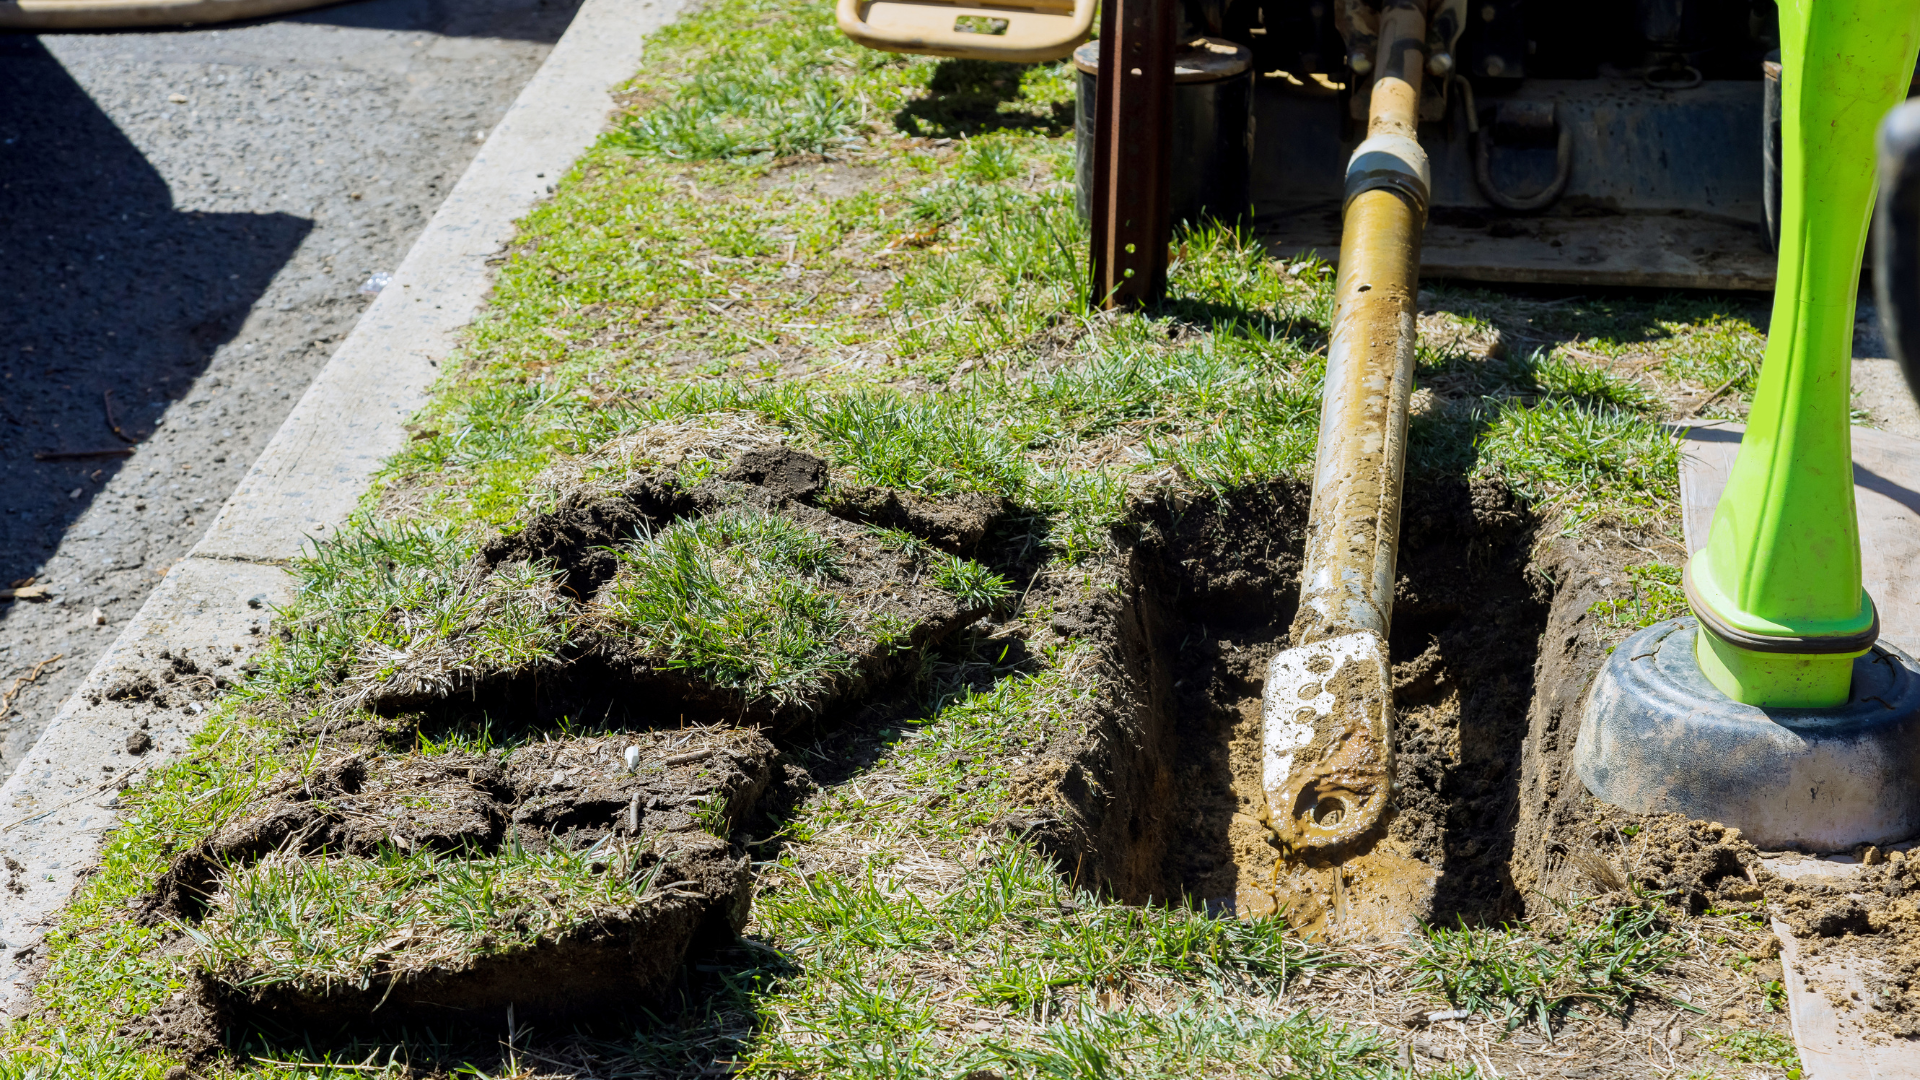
x: 1707, y: 338
x: 974, y: 97
x: 702, y: 1027
x: 1213, y: 316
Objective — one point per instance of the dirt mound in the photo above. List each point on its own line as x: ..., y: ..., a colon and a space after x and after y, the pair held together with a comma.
x: 1873, y: 913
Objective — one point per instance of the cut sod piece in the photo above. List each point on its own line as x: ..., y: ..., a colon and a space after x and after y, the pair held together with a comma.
x: 699, y: 589
x: 611, y: 860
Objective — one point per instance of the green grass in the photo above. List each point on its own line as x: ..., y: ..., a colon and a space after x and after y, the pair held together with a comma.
x: 1654, y: 594
x: 1754, y: 1048
x: 1592, y: 462
x: 914, y: 314
x: 738, y: 599
x: 386, y: 602
x: 1026, y: 946
x: 315, y: 924
x: 1586, y: 959
x: 972, y: 584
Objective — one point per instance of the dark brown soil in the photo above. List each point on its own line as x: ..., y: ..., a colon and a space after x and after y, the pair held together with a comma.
x: 956, y: 524
x: 1162, y: 799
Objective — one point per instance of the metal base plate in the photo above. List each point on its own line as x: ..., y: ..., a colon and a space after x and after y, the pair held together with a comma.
x: 1665, y: 187
x: 1655, y: 250
x: 1658, y: 737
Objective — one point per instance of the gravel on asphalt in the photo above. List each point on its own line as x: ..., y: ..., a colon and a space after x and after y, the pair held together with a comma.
x: 189, y: 224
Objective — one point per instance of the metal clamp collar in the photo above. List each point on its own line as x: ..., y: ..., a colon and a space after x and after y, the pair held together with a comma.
x: 1393, y: 162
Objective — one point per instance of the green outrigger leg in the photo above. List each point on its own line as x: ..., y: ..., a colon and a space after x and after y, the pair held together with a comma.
x: 1777, y: 586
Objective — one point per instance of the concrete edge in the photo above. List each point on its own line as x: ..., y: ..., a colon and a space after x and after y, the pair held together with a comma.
x: 1826, y: 1007
x: 59, y: 804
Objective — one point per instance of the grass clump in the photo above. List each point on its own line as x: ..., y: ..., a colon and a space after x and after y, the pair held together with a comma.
x: 312, y: 924
x: 62, y: 1054
x: 929, y: 446
x: 1592, y: 461
x: 738, y: 599
x: 1599, y: 960
x: 401, y: 606
x: 1654, y: 594
x: 1559, y: 375
x: 1751, y: 1047
x: 970, y: 583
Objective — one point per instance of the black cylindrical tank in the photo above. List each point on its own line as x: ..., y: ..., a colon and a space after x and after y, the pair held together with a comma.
x: 1212, y: 130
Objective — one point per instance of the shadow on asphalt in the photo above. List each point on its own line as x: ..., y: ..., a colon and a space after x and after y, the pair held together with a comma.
x: 107, y: 293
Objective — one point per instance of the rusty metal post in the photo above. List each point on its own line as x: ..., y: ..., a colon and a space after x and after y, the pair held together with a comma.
x: 1133, y: 153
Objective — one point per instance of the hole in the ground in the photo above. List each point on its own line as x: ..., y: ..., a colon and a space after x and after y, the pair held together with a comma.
x: 1161, y: 801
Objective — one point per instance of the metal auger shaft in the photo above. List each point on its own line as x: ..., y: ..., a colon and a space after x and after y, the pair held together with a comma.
x: 1329, y: 697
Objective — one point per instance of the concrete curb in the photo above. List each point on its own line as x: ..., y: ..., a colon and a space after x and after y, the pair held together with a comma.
x: 57, y: 807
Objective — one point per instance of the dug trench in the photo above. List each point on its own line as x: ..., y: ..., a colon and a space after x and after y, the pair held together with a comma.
x: 618, y: 822
x: 1162, y: 801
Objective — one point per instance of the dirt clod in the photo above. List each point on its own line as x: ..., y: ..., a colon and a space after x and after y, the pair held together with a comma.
x: 782, y: 471
x: 955, y: 524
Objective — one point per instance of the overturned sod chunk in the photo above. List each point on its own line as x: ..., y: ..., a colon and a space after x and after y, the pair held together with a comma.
x: 349, y: 803
x: 403, y: 614
x: 740, y: 599
x: 549, y: 932
x: 704, y: 592
x: 586, y: 901
x: 771, y: 613
x: 714, y: 780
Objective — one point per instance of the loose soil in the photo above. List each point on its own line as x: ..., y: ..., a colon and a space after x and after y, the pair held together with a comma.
x: 1152, y: 793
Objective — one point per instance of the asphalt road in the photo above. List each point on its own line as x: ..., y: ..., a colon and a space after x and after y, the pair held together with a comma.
x: 187, y: 221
